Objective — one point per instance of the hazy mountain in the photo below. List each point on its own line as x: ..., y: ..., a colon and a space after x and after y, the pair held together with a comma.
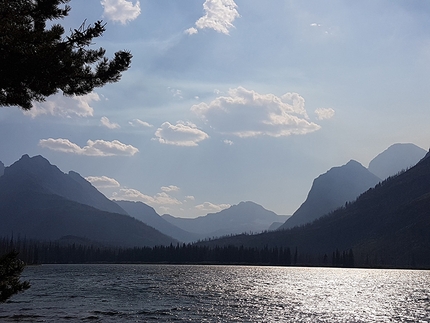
x: 38, y: 173
x: 387, y: 225
x: 244, y: 217
x: 332, y: 190
x: 147, y: 215
x: 1, y: 168
x: 395, y: 158
x: 38, y: 201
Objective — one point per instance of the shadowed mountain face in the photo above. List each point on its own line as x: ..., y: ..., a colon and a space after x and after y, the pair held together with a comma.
x: 38, y: 174
x: 147, y: 215
x: 332, y: 190
x: 395, y: 158
x: 38, y: 201
x: 1, y: 168
x: 387, y: 225
x: 244, y: 217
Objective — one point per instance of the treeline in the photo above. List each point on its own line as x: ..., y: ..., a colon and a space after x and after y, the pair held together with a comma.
x: 37, y: 252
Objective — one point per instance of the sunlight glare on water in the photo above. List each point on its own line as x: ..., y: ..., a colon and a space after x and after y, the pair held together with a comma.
x: 167, y: 293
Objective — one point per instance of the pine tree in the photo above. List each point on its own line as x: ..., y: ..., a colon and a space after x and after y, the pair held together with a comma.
x: 10, y: 270
x: 36, y: 61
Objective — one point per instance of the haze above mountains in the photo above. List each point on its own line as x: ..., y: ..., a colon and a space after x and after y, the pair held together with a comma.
x: 39, y: 201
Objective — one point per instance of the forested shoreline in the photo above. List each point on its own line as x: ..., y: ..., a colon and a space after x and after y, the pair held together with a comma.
x: 34, y: 252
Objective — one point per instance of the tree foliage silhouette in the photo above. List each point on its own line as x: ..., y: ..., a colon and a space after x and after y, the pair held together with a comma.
x: 10, y: 270
x: 36, y: 61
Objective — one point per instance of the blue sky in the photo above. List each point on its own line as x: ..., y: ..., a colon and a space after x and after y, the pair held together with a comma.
x: 235, y: 100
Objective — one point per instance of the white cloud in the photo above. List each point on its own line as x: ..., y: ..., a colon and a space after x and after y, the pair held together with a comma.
x: 219, y: 16
x: 246, y: 113
x: 181, y: 134
x: 106, y: 122
x: 140, y: 123
x: 229, y: 142
x: 190, y: 197
x: 191, y: 31
x: 121, y: 10
x: 324, y: 113
x: 65, y: 106
x: 102, y: 181
x: 170, y: 188
x: 130, y: 194
x: 93, y: 148
x: 210, y: 207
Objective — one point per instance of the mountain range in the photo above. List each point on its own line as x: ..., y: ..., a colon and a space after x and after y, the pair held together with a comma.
x: 244, y: 217
x: 38, y: 201
x: 387, y: 225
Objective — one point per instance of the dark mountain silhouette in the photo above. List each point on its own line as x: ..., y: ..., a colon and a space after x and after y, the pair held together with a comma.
x: 387, y: 226
x: 1, y: 168
x: 244, y: 217
x: 331, y: 190
x: 38, y: 201
x: 37, y: 173
x: 147, y: 215
x: 395, y: 158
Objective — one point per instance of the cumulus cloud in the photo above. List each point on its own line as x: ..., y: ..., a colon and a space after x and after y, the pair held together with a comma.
x: 65, y: 106
x: 181, y: 134
x: 140, y: 123
x: 102, y: 181
x: 210, y: 207
x: 219, y: 16
x: 121, y: 10
x: 170, y: 188
x: 93, y: 148
x: 245, y: 113
x: 106, y: 122
x: 324, y: 113
x: 130, y: 194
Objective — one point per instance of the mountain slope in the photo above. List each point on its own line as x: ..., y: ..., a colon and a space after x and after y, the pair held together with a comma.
x: 332, y: 190
x: 37, y: 173
x: 147, y: 215
x: 395, y: 158
x: 244, y: 217
x: 388, y: 225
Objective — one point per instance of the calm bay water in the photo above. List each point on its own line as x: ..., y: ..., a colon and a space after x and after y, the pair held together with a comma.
x: 165, y: 293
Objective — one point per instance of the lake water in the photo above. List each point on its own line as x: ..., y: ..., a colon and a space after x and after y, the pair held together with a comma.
x: 167, y: 293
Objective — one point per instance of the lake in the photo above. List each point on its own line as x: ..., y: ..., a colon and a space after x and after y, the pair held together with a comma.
x: 168, y: 293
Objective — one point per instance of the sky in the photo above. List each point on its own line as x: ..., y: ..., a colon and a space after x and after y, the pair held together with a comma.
x: 235, y: 100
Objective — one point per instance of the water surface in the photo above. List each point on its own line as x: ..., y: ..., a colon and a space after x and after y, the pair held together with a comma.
x: 167, y: 293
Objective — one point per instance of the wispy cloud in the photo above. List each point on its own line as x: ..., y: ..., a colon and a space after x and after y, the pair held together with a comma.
x: 140, y: 123
x: 102, y: 181
x: 108, y: 124
x: 170, y: 188
x: 210, y: 207
x: 246, y: 113
x: 121, y: 10
x: 63, y: 106
x: 130, y: 194
x: 324, y: 113
x: 181, y: 134
x: 219, y: 16
x: 93, y: 148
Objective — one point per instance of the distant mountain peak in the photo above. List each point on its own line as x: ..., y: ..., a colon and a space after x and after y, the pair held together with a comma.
x: 396, y: 158
x: 1, y: 168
